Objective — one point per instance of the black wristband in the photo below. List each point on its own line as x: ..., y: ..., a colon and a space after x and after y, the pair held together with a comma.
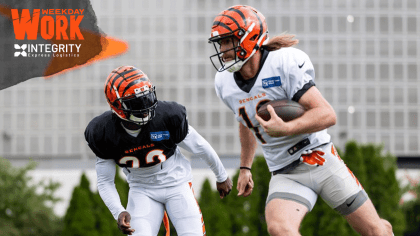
x: 244, y: 167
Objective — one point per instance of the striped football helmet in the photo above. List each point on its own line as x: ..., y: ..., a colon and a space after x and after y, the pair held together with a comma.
x: 244, y: 23
x: 131, y: 95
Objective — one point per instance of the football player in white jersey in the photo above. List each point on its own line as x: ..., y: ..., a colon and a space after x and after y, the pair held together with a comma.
x: 304, y: 163
x: 141, y: 135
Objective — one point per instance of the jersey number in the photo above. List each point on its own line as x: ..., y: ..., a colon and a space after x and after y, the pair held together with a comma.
x: 150, y: 158
x: 242, y: 112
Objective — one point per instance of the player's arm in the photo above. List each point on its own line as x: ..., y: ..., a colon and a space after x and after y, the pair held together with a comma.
x: 319, y: 115
x: 105, y: 170
x: 248, y: 148
x: 196, y: 144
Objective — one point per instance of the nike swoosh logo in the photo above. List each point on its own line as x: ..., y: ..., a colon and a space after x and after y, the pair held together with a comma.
x: 300, y: 66
x: 349, y: 204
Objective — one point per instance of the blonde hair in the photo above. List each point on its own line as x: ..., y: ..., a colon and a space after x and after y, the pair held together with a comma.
x: 280, y: 41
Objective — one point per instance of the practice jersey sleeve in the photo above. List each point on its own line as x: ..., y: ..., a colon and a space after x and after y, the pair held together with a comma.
x: 105, y: 170
x: 179, y: 122
x: 299, y: 71
x: 198, y: 146
x: 94, y: 135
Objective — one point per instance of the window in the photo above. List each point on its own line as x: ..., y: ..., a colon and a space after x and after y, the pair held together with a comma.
x: 357, y: 94
x: 384, y: 95
x: 329, y: 94
x: 399, y: 142
x: 413, y: 143
x: 300, y: 24
x: 398, y: 48
x: 385, y: 119
x: 215, y: 119
x: 342, y: 95
x: 21, y: 124
x: 398, y: 24
x: 313, y: 24
x: 386, y: 142
x: 342, y: 71
x: 20, y: 144
x: 229, y: 119
x: 412, y: 48
x: 328, y: 71
x: 370, y: 24
x: 21, y: 98
x: 398, y: 95
x: 398, y: 72
x: 75, y: 120
x: 357, y: 120
x: 384, y: 48
x: 384, y: 72
x: 412, y: 95
x: 285, y: 23
x: 370, y: 71
x: 34, y: 121
x: 62, y: 145
x: 399, y: 119
x: 370, y: 95
x: 413, y: 119
x: 118, y: 23
x: 342, y: 118
x: 328, y: 47
x: 383, y: 24
x: 34, y: 145
x: 370, y: 47
x: 412, y: 72
x: 356, y: 70
x: 411, y: 25
x: 201, y: 118
x: 342, y: 47
x: 327, y: 24
x: 342, y: 23
x: 370, y: 119
x: 201, y: 95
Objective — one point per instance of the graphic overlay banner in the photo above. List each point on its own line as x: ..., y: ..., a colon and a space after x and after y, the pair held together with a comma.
x: 45, y: 37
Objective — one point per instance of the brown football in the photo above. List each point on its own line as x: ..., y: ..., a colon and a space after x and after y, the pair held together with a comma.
x: 285, y: 109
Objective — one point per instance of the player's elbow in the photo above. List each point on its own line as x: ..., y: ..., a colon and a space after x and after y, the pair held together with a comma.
x: 331, y: 118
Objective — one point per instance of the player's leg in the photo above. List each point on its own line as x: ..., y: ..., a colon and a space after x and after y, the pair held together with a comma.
x: 365, y: 220
x: 343, y: 192
x: 284, y: 217
x: 287, y: 203
x: 146, y: 213
x: 184, y: 212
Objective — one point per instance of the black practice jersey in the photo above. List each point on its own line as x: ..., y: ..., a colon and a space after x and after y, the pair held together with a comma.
x: 155, y: 143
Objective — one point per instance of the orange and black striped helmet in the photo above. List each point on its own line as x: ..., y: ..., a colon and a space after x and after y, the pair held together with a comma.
x: 131, y: 95
x: 246, y: 24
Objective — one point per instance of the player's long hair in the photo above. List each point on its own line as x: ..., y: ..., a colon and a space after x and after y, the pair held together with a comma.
x: 280, y: 41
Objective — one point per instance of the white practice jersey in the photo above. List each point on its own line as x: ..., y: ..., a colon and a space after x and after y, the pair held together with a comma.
x: 286, y: 74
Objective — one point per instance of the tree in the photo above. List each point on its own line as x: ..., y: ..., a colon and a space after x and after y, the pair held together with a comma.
x: 23, y: 211
x: 80, y: 218
x: 412, y: 212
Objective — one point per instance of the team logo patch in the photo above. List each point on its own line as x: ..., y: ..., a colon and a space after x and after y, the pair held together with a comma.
x: 159, y: 136
x: 271, y: 82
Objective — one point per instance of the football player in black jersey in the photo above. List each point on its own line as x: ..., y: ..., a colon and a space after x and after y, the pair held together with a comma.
x: 141, y: 135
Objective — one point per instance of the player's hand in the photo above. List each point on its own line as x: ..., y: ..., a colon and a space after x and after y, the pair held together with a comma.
x: 245, y: 183
x: 224, y: 188
x: 275, y: 127
x: 313, y: 157
x: 124, y: 223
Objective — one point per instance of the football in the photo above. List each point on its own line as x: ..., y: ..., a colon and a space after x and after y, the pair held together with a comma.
x: 285, y: 109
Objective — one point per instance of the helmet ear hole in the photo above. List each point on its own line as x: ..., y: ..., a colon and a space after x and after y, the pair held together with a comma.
x: 253, y: 38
